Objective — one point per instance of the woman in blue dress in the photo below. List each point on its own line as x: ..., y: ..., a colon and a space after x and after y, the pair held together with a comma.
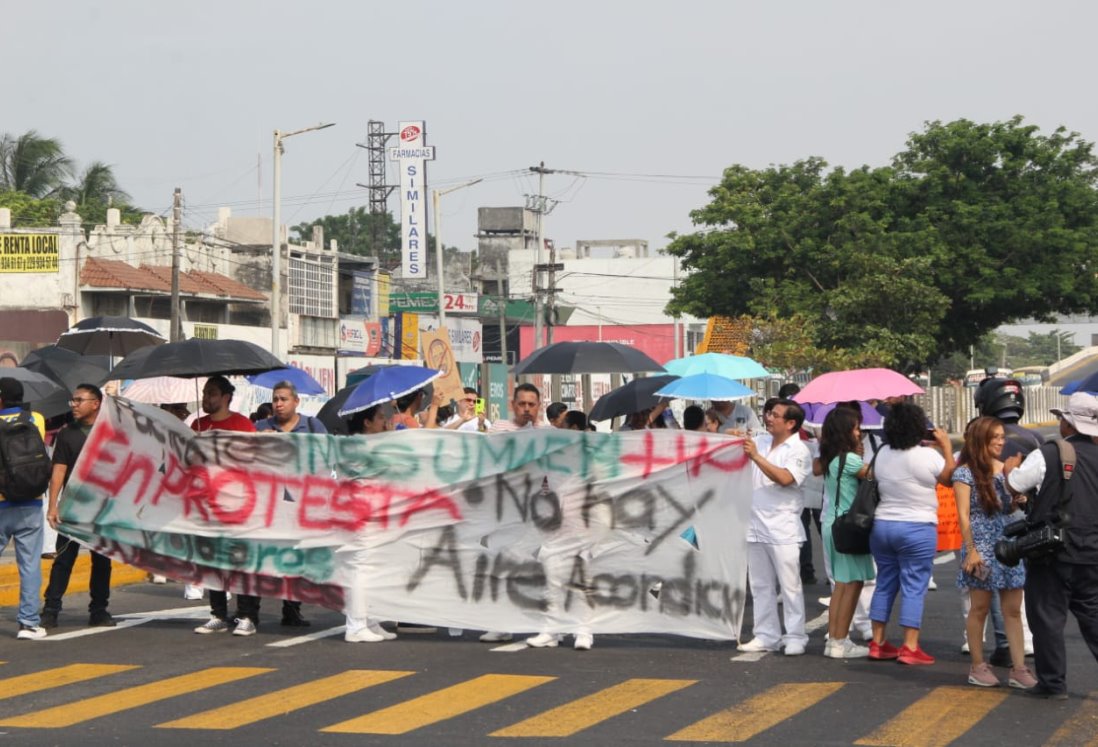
x: 983, y: 507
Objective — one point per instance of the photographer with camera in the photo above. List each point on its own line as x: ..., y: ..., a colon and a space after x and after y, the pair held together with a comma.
x: 1059, y: 540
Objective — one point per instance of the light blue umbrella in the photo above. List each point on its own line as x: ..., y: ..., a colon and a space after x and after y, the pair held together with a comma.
x: 705, y: 386
x: 386, y: 385
x: 719, y: 364
x: 302, y: 381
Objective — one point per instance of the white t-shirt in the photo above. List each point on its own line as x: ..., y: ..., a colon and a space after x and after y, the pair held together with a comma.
x: 508, y: 426
x: 907, y: 482
x: 776, y: 510
x: 472, y: 424
x: 1029, y: 474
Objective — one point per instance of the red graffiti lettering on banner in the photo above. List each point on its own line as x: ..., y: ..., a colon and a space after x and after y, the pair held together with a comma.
x: 101, y: 466
x: 245, y: 502
x: 176, y: 481
x: 431, y: 500
x: 703, y: 453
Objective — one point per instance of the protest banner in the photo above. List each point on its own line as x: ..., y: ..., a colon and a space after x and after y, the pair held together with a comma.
x: 438, y: 354
x: 537, y: 530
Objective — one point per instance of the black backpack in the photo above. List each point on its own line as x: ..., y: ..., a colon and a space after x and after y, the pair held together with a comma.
x: 24, y: 462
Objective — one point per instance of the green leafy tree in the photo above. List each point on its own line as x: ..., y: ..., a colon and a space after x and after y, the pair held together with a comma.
x: 970, y: 227
x: 359, y: 232
x: 32, y: 164
x: 30, y: 212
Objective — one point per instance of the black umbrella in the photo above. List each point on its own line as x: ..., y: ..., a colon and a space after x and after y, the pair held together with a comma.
x: 40, y: 392
x: 637, y: 395
x: 65, y: 367
x: 192, y: 358
x: 109, y: 335
x: 586, y: 357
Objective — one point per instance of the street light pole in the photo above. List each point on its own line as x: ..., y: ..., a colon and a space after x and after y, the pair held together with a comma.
x: 276, y: 235
x: 436, y: 201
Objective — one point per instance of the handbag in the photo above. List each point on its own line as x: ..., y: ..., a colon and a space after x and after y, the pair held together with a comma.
x: 850, y: 530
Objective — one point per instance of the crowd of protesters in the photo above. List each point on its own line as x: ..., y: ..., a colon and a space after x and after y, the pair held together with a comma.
x: 801, y: 477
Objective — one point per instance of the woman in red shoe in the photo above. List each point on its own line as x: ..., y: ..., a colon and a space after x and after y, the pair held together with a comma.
x: 905, y: 528
x: 983, y: 508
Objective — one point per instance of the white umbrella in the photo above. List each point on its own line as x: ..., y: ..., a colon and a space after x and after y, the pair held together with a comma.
x: 165, y: 390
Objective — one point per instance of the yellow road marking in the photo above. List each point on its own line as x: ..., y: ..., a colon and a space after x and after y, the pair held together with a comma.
x: 937, y: 719
x: 50, y: 678
x: 131, y: 697
x: 585, y: 712
x: 284, y: 701
x: 1081, y: 730
x: 755, y: 715
x: 439, y: 705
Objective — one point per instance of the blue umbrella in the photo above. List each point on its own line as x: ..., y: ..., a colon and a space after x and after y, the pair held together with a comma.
x: 302, y: 381
x: 705, y: 386
x: 386, y: 385
x: 719, y: 364
x: 1089, y: 384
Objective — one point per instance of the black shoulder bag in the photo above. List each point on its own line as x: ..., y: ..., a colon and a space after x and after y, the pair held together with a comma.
x: 850, y: 530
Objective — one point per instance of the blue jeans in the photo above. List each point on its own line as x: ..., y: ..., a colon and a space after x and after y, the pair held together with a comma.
x: 904, y: 551
x: 23, y: 525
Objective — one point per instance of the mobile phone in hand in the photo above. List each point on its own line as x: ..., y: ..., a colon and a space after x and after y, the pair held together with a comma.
x: 479, y: 408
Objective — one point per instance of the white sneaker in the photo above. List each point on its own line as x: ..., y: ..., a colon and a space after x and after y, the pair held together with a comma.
x: 1028, y: 650
x: 846, y: 649
x: 213, y: 625
x: 933, y: 585
x: 363, y: 635
x: 797, y: 649
x: 825, y: 601
x: 866, y: 633
x: 755, y: 646
x: 244, y: 626
x: 376, y: 629
x: 158, y: 579
x: 493, y: 636
x: 31, y: 633
x: 192, y: 592
x: 964, y: 648
x: 828, y: 645
x: 456, y: 632
x: 584, y: 642
x: 543, y: 640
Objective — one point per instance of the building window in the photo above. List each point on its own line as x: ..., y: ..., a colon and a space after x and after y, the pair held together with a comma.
x: 317, y: 332
x: 312, y: 286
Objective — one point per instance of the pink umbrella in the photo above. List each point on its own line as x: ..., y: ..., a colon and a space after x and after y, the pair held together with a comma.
x: 165, y: 390
x: 859, y: 384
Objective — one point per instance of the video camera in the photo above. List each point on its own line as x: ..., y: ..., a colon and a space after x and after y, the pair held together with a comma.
x: 1029, y: 540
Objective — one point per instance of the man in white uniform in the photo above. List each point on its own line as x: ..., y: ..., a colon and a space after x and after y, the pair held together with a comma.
x: 774, y: 535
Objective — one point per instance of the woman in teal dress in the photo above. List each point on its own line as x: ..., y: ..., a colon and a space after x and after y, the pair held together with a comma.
x: 841, y: 453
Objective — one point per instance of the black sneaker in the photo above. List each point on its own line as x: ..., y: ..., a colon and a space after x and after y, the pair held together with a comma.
x: 48, y: 620
x: 292, y: 618
x: 101, y: 620
x: 1040, y: 691
x: 1000, y: 657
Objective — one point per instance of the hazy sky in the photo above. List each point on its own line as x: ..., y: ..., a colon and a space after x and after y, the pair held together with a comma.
x: 188, y: 94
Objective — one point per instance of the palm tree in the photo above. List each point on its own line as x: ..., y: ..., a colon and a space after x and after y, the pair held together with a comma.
x: 95, y: 186
x: 34, y: 165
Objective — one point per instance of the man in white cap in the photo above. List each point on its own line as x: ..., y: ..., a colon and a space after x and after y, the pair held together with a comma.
x: 1068, y: 578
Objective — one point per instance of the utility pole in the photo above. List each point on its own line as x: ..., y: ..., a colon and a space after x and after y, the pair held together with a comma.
x: 502, y: 314
x: 539, y: 206
x: 176, y: 333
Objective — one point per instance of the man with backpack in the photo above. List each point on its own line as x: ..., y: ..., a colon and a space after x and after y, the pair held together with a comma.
x: 85, y: 403
x: 24, y: 475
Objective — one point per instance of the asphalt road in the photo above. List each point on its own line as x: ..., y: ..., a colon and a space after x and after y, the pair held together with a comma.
x: 157, y: 682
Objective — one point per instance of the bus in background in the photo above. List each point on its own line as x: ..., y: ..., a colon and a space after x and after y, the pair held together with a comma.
x: 974, y: 376
x: 1031, y: 375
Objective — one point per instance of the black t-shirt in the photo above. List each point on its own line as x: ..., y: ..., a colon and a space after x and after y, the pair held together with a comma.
x: 68, y: 444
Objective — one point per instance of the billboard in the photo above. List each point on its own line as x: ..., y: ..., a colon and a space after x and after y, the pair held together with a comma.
x: 411, y: 156
x: 28, y: 252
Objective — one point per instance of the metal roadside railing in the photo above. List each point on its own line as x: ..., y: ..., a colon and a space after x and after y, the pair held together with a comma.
x: 952, y: 407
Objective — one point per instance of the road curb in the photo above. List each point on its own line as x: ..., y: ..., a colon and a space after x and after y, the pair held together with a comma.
x: 121, y: 575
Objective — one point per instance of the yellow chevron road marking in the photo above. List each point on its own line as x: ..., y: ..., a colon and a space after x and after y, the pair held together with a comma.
x: 755, y: 715
x: 285, y: 701
x: 50, y: 678
x: 585, y: 712
x: 937, y: 719
x: 439, y: 705
x: 131, y: 697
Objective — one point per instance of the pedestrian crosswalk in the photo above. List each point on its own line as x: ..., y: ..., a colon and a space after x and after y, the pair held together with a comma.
x: 549, y: 706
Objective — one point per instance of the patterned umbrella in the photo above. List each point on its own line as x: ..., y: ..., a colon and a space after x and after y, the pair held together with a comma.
x: 165, y: 390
